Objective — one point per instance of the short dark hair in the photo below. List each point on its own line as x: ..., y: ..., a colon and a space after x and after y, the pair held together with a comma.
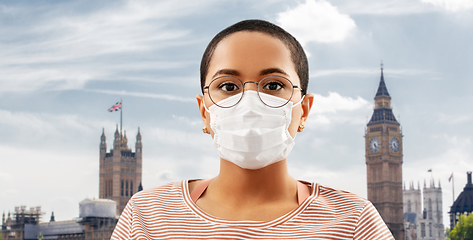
x: 297, y: 52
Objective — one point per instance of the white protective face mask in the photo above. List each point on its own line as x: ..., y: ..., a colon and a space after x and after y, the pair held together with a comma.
x: 251, y: 134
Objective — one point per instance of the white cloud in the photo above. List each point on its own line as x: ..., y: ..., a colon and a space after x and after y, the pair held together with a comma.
x: 145, y: 95
x: 65, y: 51
x: 454, y: 119
x: 316, y: 21
x: 334, y: 102
x: 386, y: 7
x: 189, y: 121
x: 180, y: 138
x: 42, y: 124
x: 451, y: 5
x: 373, y: 71
x: 55, y: 178
x: 337, y: 109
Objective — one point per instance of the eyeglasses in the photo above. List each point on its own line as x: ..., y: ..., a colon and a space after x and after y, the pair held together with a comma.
x: 224, y: 87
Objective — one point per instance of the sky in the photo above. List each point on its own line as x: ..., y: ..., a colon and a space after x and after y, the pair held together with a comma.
x: 64, y: 63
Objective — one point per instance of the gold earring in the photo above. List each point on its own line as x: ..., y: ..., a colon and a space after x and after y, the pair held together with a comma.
x: 204, y: 129
x: 301, y: 128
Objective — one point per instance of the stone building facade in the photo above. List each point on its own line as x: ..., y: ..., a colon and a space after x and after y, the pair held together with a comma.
x: 120, y: 169
x: 423, y: 222
x: 383, y: 147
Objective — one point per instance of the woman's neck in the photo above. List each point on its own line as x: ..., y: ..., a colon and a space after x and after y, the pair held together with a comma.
x: 269, y: 184
x: 241, y: 194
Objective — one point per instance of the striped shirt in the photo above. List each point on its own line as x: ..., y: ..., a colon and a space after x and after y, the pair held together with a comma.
x: 168, y: 212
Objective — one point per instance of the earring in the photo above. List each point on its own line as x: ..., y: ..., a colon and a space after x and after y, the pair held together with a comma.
x: 204, y: 129
x: 301, y: 128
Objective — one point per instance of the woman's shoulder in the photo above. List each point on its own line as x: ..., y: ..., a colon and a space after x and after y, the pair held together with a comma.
x: 334, y: 196
x: 167, y: 191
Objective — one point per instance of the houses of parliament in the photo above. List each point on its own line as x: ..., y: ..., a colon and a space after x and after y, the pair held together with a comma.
x: 120, y: 172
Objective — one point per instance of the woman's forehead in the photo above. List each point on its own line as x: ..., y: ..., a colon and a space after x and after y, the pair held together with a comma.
x: 250, y: 53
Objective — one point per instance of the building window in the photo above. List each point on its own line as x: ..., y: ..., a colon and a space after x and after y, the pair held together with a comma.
x: 131, y: 188
x: 422, y: 229
x: 138, y: 149
x: 126, y: 189
x: 430, y: 208
x: 122, y: 188
x: 409, y: 206
x: 430, y: 229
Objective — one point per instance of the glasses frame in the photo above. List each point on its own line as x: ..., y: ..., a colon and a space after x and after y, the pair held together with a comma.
x: 257, y: 90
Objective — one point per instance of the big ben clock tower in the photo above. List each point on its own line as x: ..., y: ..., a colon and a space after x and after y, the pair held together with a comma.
x: 383, y: 147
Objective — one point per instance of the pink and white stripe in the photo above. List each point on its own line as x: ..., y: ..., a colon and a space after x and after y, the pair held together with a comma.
x: 168, y: 212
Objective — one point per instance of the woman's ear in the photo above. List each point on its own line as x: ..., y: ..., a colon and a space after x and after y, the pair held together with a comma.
x: 203, y: 113
x: 306, y: 106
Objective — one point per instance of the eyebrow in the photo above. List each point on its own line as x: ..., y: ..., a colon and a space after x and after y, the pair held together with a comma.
x: 227, y: 72
x: 272, y: 70
x: 235, y: 73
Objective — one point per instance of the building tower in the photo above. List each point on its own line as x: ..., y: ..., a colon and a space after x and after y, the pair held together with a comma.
x: 412, y: 205
x: 431, y: 224
x: 120, y: 169
x: 383, y: 147
x: 463, y: 204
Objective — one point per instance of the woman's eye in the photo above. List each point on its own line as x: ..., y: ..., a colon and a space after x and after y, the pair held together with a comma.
x: 229, y: 87
x: 273, y: 86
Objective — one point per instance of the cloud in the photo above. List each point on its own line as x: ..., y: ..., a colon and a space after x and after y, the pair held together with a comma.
x: 454, y: 119
x: 189, y: 121
x: 334, y: 102
x: 451, y: 5
x: 142, y: 94
x: 64, y: 48
x: 337, y: 109
x: 372, y: 71
x: 179, y: 138
x: 27, y: 125
x: 316, y: 21
x: 386, y: 7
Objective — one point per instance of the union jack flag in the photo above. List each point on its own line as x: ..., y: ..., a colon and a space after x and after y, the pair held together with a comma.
x: 116, y: 107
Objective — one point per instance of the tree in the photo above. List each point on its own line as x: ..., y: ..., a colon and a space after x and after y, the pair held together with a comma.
x: 464, y: 228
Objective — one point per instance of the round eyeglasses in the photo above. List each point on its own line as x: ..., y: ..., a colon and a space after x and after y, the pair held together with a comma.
x: 224, y: 87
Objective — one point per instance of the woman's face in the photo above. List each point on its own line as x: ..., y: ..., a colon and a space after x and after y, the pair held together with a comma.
x: 251, y: 56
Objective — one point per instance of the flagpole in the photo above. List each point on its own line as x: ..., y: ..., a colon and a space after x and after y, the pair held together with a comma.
x: 121, y: 115
x: 453, y: 188
x: 453, y: 198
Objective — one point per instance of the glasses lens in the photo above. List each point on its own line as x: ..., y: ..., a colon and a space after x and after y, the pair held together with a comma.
x: 223, y: 88
x: 276, y: 86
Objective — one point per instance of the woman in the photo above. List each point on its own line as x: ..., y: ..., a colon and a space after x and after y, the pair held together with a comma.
x: 254, y: 78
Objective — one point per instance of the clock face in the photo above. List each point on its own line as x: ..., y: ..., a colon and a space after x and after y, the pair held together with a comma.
x: 394, y: 144
x: 374, y: 145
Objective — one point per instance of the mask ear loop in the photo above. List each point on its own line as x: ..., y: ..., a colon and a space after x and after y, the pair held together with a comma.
x: 298, y: 102
x: 205, y: 106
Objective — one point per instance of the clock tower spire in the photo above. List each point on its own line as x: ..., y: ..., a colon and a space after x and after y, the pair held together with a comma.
x: 383, y: 147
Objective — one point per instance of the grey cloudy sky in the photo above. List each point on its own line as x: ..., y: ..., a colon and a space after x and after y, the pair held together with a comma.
x: 64, y: 63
